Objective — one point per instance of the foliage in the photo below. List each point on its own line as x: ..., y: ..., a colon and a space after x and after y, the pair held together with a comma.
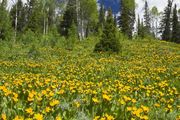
x: 109, y: 40
x: 69, y: 17
x: 147, y: 20
x: 175, y: 26
x: 5, y: 26
x: 165, y: 27
x: 127, y: 17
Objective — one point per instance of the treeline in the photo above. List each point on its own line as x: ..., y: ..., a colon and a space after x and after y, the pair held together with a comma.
x: 78, y: 19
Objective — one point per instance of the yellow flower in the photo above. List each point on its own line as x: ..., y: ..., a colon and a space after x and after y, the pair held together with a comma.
x: 29, y: 111
x: 145, y: 109
x: 133, y: 100
x: 38, y: 116
x: 3, y: 116
x: 18, y: 118
x: 122, y: 102
x: 54, y: 102
x: 126, y: 98
x: 129, y: 108
x: 109, y: 117
x: 95, y: 100
x: 47, y: 109
x: 106, y: 97
x: 157, y: 105
x: 58, y: 117
x: 96, y: 118
x: 145, y: 117
x: 77, y: 104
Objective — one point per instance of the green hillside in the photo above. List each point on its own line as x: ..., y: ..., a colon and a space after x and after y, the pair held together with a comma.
x: 142, y: 82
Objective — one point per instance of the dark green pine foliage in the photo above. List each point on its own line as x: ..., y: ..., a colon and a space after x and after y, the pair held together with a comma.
x: 35, y: 17
x: 5, y: 24
x: 70, y: 17
x: 147, y: 19
x: 20, y: 16
x: 175, y: 26
x: 138, y: 27
x: 127, y: 17
x: 101, y: 16
x: 165, y: 25
x: 108, y: 42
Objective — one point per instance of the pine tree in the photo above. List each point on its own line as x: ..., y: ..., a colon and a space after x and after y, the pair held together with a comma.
x: 101, y: 16
x: 165, y: 25
x: 147, y: 19
x: 69, y: 17
x: 5, y: 25
x: 20, y: 16
x: 138, y: 26
x: 175, y: 26
x: 35, y: 17
x: 127, y: 17
x: 109, y: 41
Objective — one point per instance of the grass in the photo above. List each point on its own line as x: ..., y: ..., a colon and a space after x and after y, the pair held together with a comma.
x: 41, y: 82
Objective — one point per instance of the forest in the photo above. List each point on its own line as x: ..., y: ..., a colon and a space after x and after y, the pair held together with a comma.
x: 85, y: 60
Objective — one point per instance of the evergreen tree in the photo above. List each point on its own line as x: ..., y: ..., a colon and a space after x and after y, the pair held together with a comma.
x: 147, y: 19
x: 175, y: 26
x: 165, y: 25
x: 127, y: 17
x: 20, y: 16
x: 35, y: 17
x: 109, y: 41
x: 5, y: 27
x: 138, y: 26
x: 69, y: 17
x: 101, y: 16
x: 72, y: 36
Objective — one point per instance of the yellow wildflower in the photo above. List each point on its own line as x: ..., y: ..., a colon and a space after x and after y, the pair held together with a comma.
x: 54, y: 102
x: 3, y: 116
x: 29, y: 111
x: 106, y: 97
x: 38, y: 116
x: 95, y: 100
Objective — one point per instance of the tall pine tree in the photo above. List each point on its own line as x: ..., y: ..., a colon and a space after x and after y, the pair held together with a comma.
x: 5, y: 25
x: 69, y: 17
x: 108, y: 42
x: 19, y: 8
x: 165, y: 25
x: 127, y: 17
x: 147, y: 19
x: 175, y: 26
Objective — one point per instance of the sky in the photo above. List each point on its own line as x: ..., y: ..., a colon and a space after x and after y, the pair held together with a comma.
x: 159, y: 3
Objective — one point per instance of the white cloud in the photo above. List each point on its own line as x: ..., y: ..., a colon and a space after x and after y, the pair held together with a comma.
x: 160, y: 4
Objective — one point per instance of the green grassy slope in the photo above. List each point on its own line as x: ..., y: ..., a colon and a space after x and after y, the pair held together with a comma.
x: 140, y: 82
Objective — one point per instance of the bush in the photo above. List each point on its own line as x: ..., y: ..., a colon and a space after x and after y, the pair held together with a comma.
x: 109, y: 41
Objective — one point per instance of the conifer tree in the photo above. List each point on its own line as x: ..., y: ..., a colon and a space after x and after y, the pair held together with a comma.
x: 20, y: 16
x: 69, y: 17
x: 109, y: 41
x: 101, y: 16
x: 175, y: 26
x: 147, y: 19
x: 127, y: 17
x: 165, y: 25
x: 5, y: 25
x: 138, y: 26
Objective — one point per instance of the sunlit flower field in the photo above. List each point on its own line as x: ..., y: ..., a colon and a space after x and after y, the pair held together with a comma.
x: 141, y: 83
